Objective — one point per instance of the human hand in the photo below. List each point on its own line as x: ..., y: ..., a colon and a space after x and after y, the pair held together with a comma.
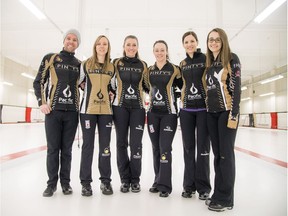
x: 232, y: 121
x: 46, y: 109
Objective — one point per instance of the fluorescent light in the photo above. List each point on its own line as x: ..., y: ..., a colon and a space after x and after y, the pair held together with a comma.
x: 271, y: 79
x: 28, y: 76
x: 243, y: 88
x: 244, y: 99
x: 266, y: 94
x: 33, y: 9
x: 7, y: 83
x: 267, y: 11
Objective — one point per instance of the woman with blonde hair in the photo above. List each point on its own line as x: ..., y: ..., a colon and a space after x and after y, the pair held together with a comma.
x: 96, y: 109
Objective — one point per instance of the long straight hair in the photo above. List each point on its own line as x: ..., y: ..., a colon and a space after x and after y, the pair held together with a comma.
x: 93, y: 61
x: 225, y: 53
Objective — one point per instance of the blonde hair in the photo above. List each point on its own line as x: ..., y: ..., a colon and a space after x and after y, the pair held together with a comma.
x: 93, y: 61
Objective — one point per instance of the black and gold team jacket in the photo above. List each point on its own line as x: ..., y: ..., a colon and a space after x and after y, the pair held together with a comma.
x: 56, y: 82
x: 224, y: 87
x: 128, y: 82
x: 96, y: 99
x: 162, y: 85
x: 193, y: 93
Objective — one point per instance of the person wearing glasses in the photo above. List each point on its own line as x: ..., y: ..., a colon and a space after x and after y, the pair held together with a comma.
x: 96, y: 109
x: 223, y: 85
x: 129, y: 114
x: 162, y: 78
x: 193, y: 121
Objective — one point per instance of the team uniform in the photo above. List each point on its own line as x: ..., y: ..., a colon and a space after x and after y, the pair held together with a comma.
x: 223, y: 99
x: 129, y: 118
x: 56, y: 85
x: 162, y: 122
x: 193, y: 121
x: 96, y: 110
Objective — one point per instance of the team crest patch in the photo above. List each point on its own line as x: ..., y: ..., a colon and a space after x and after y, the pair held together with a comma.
x: 87, y: 124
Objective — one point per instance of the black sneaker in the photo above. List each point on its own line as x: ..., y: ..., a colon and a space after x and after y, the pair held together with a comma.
x: 208, y: 201
x: 86, y: 190
x: 153, y: 190
x: 49, y: 191
x: 125, y: 187
x: 106, y: 188
x: 163, y: 194
x: 204, y: 196
x: 135, y: 187
x: 218, y: 208
x: 66, y: 189
x: 187, y: 193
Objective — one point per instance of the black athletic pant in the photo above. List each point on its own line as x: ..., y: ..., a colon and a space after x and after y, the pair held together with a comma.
x: 60, y: 129
x: 162, y: 128
x: 129, y: 122
x: 88, y: 125
x: 223, y: 141
x: 195, y: 136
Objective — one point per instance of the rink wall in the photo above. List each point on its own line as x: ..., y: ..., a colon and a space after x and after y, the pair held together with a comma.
x: 274, y: 120
x: 18, y: 114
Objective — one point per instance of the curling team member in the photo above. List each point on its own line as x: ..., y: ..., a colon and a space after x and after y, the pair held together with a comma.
x: 193, y: 121
x: 129, y: 114
x: 56, y: 89
x: 96, y: 72
x: 162, y: 77
x: 223, y: 80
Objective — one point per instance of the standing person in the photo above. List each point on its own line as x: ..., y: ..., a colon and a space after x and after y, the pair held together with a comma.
x: 56, y: 90
x: 193, y: 121
x: 129, y: 114
x: 223, y: 98
x: 162, y: 116
x: 96, y: 109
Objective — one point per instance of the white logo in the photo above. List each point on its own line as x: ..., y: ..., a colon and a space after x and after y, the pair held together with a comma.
x: 67, y: 92
x: 137, y: 156
x: 210, y: 80
x: 158, y: 96
x: 109, y: 125
x: 193, y: 89
x: 168, y: 128
x: 139, y: 127
x: 130, y: 90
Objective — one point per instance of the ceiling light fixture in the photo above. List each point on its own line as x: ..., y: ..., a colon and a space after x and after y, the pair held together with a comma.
x: 28, y: 76
x: 267, y: 11
x: 33, y: 9
x: 244, y: 99
x: 271, y: 79
x: 266, y: 94
x: 243, y: 88
x: 6, y: 83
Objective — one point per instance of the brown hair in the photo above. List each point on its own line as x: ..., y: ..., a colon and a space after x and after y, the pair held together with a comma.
x: 131, y: 37
x: 166, y: 45
x: 225, y: 53
x: 189, y: 33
